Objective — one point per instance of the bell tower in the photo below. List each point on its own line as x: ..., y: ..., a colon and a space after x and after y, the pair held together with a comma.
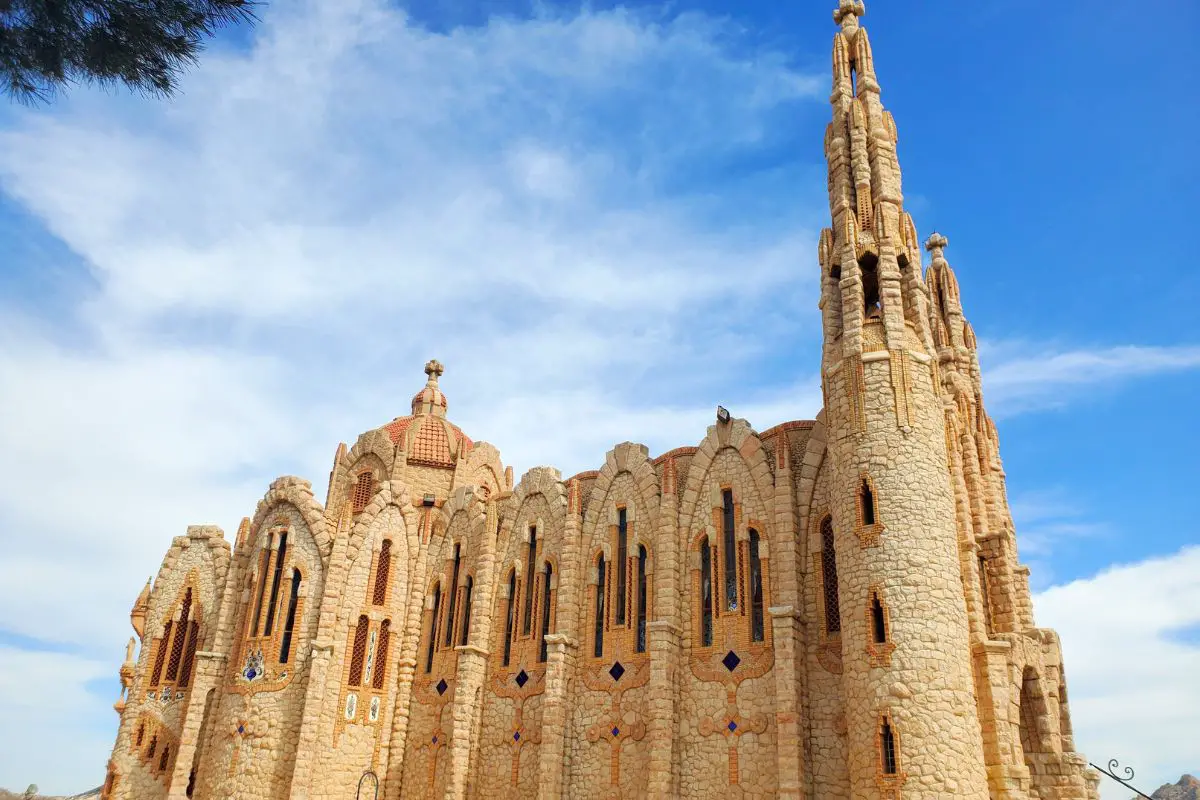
x: 912, y: 725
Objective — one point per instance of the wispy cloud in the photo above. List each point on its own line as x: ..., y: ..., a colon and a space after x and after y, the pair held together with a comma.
x: 1131, y: 676
x: 1022, y: 376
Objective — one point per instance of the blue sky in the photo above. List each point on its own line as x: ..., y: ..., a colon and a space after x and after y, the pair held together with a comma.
x: 603, y: 220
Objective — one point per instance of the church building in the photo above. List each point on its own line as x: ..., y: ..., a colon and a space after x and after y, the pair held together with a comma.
x: 828, y: 608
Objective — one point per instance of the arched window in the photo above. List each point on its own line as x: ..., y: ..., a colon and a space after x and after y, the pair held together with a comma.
x: 164, y: 758
x: 546, y: 576
x: 706, y: 594
x: 153, y: 746
x: 450, y: 599
x: 141, y: 733
x: 382, y: 569
x: 509, y: 615
x: 279, y: 557
x: 181, y: 631
x: 729, y: 544
x: 381, y: 652
x: 433, y: 621
x: 878, y: 620
x: 756, y: 590
x: 985, y: 594
x: 867, y: 500
x: 598, y: 645
x: 620, y: 566
x: 161, y: 656
x: 527, y: 619
x: 641, y: 600
x: 829, y: 574
x: 364, y: 488
x: 189, y: 654
x: 289, y: 622
x: 359, y: 654
x: 466, y: 617
x: 887, y: 748
x: 262, y: 589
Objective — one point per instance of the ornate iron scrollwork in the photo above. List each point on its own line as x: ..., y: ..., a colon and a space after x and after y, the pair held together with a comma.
x: 1113, y: 766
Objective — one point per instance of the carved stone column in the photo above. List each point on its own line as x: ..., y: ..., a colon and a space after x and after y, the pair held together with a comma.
x: 560, y: 665
x: 664, y: 644
x: 789, y: 689
x: 472, y: 666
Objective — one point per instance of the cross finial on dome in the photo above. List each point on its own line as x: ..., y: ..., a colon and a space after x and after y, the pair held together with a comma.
x: 935, y: 244
x: 848, y: 12
x: 434, y: 370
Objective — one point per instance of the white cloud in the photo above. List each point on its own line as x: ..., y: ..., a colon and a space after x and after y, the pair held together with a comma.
x: 1132, y: 658
x: 1021, y: 376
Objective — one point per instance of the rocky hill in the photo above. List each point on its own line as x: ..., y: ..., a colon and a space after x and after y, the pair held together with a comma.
x: 1188, y: 788
x: 26, y: 795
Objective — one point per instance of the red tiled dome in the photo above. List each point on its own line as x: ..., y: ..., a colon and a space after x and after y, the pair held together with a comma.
x: 430, y: 439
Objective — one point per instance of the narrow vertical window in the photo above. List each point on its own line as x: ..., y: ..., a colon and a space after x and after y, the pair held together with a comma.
x: 164, y: 758
x: 177, y: 643
x: 985, y: 593
x: 598, y: 646
x: 289, y: 622
x: 141, y: 733
x: 465, y: 632
x: 381, y: 651
x: 433, y: 621
x: 262, y: 588
x: 275, y: 582
x: 887, y: 747
x: 153, y: 746
x: 546, y: 576
x: 189, y: 654
x: 640, y: 646
x: 878, y: 620
x: 359, y: 654
x: 620, y: 566
x: 382, y: 571
x: 756, y: 590
x: 729, y: 545
x: 868, y: 503
x: 453, y: 596
x: 511, y: 613
x: 161, y: 656
x: 527, y: 620
x: 706, y: 593
x: 364, y: 487
x: 829, y: 574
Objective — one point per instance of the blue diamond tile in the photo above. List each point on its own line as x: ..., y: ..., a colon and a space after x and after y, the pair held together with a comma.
x: 731, y: 661
x: 435, y: 740
x: 241, y: 729
x: 522, y: 679
x: 616, y: 731
x: 616, y: 671
x: 442, y: 686
x: 516, y: 736
x: 250, y: 674
x: 732, y: 726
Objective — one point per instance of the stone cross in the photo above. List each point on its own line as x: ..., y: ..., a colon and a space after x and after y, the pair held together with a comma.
x: 434, y: 370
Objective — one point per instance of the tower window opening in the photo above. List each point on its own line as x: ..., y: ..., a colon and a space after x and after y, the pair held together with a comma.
x: 835, y: 272
x: 164, y: 758
x: 382, y: 572
x: 161, y: 656
x: 262, y: 589
x: 141, y: 733
x: 756, y: 590
x: 706, y: 594
x: 275, y: 578
x: 902, y: 261
x: 189, y: 654
x: 433, y: 621
x: 547, y: 575
x: 878, y: 620
x: 868, y: 268
x: 829, y: 574
x: 181, y: 632
x: 153, y: 746
x: 527, y: 619
x: 453, y: 596
x: 729, y: 545
x: 511, y: 613
x: 359, y: 654
x: 466, y: 617
x: 887, y: 747
x: 640, y: 646
x: 381, y: 651
x: 289, y: 623
x: 598, y: 644
x: 985, y: 594
x: 868, y: 503
x: 620, y: 565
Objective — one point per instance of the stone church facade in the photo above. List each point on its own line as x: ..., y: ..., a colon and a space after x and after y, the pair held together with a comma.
x: 824, y: 609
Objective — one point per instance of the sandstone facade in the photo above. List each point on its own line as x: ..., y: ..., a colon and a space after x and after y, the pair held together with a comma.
x: 828, y: 608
